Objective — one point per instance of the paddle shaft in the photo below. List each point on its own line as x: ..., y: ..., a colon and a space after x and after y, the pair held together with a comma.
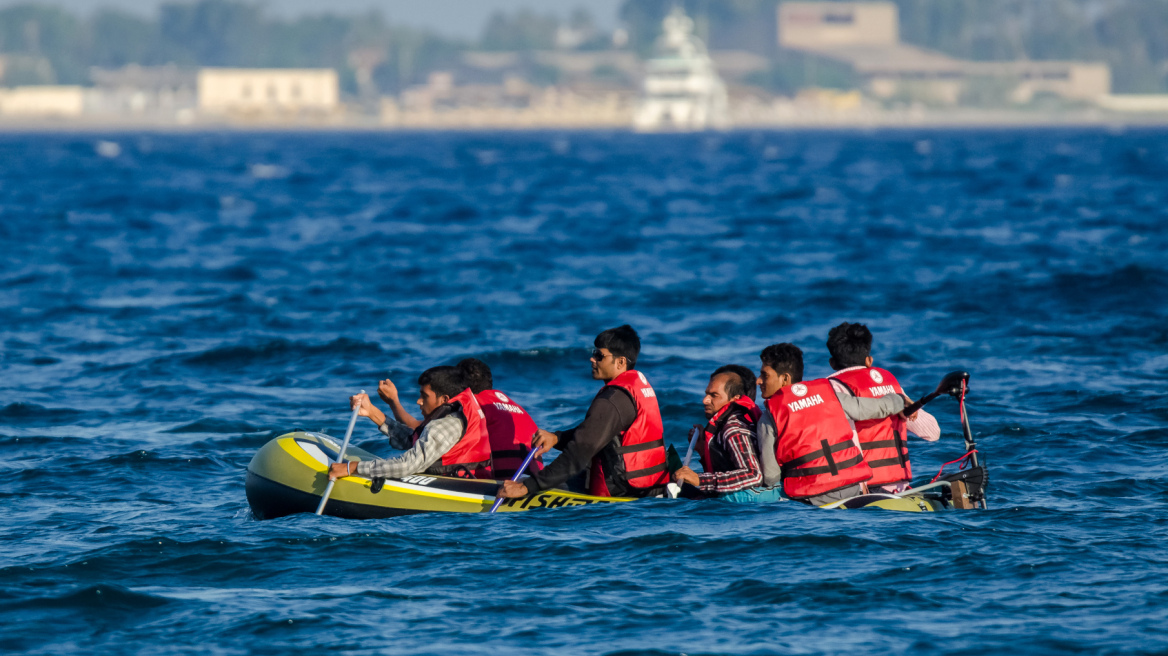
x: 693, y: 440
x: 518, y: 473
x: 340, y: 458
x: 674, y: 489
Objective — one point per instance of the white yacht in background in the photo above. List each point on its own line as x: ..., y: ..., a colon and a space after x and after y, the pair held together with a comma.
x: 681, y: 90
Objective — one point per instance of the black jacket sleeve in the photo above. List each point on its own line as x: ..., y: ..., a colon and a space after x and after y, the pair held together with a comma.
x: 611, y: 413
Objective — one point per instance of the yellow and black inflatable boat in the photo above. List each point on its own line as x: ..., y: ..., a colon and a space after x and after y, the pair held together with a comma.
x: 288, y: 476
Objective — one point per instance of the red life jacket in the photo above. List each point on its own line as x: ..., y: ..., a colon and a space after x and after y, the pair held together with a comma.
x: 813, y: 442
x: 635, y: 458
x: 509, y: 429
x: 883, y: 440
x: 716, y: 461
x: 470, y: 457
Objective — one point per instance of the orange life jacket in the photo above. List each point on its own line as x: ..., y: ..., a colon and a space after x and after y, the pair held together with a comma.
x: 636, y: 457
x: 883, y: 440
x: 470, y: 457
x: 813, y: 440
x: 509, y: 430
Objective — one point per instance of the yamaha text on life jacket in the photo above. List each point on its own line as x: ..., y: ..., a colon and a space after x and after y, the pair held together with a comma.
x: 471, y: 456
x: 509, y: 429
x: 635, y: 458
x: 883, y: 440
x: 714, y: 459
x: 814, y: 446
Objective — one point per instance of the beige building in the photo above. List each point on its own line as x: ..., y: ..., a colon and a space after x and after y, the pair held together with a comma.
x: 825, y: 25
x: 268, y: 91
x: 865, y: 36
x: 42, y: 101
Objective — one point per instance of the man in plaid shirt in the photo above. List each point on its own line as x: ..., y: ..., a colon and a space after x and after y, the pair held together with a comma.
x: 730, y: 456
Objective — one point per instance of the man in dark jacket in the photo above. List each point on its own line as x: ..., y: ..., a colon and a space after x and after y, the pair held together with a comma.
x: 610, y: 416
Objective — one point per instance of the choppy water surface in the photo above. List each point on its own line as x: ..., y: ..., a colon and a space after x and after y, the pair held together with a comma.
x: 168, y: 310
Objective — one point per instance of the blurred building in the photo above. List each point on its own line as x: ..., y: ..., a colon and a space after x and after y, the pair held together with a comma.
x: 264, y: 92
x: 159, y: 92
x: 42, y: 101
x: 681, y: 88
x: 514, y: 104
x: 865, y: 36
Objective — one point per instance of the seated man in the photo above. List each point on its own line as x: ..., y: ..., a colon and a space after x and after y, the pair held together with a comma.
x: 620, y: 440
x: 884, y: 441
x: 450, y: 441
x: 807, y: 426
x: 728, y: 446
x: 509, y: 427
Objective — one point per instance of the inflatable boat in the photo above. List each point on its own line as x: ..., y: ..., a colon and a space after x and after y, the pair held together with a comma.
x: 289, y: 474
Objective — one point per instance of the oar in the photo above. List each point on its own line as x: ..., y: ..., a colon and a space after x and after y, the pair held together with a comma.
x: 340, y: 458
x: 673, y: 488
x: 518, y: 473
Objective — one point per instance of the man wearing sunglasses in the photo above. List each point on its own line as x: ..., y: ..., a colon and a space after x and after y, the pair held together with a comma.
x: 619, y: 442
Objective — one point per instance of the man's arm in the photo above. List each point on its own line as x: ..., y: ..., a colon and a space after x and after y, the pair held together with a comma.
x: 858, y: 409
x: 772, y: 474
x: 388, y: 393
x: 611, y: 413
x: 399, y: 434
x: 747, y: 473
x: 437, y: 438
x: 924, y: 426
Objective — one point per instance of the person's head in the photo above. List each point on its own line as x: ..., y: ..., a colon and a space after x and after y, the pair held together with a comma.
x: 725, y: 386
x: 850, y: 345
x: 744, y: 382
x: 782, y: 365
x: 615, y: 353
x: 437, y: 385
x: 477, y: 374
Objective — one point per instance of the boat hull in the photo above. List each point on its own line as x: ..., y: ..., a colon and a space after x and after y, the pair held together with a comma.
x: 289, y: 475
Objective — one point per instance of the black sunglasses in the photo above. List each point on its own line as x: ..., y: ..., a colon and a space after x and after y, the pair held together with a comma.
x: 598, y: 356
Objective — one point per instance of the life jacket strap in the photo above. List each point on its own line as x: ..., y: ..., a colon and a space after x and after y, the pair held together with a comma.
x: 648, y: 471
x: 832, y: 469
x: 817, y: 454
x: 643, y: 446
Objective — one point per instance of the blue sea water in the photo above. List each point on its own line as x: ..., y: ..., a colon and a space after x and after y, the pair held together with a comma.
x: 170, y: 305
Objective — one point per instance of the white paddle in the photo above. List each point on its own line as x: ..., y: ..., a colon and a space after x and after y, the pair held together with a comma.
x: 673, y: 488
x: 340, y: 458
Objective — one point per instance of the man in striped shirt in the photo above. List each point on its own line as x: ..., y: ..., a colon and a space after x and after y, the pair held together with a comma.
x: 728, y: 447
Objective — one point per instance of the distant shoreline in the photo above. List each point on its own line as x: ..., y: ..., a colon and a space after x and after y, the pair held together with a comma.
x: 950, y: 120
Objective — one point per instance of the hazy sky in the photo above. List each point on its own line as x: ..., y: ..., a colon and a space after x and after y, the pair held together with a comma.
x: 455, y: 17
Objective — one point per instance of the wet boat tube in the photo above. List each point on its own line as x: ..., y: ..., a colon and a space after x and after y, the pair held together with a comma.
x: 289, y: 475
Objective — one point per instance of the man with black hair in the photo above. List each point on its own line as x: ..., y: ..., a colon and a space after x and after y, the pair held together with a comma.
x: 728, y: 447
x: 807, y: 427
x: 509, y: 427
x: 450, y: 441
x: 884, y: 441
x: 619, y: 442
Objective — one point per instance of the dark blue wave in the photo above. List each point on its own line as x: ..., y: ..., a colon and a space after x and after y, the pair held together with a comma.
x: 168, y: 313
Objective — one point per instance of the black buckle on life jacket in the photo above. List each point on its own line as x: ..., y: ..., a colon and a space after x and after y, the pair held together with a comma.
x: 815, y: 471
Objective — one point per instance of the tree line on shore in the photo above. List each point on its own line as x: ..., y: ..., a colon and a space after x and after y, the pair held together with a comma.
x: 43, y: 44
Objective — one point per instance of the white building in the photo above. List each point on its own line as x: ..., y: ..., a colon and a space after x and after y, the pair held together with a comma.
x: 267, y: 91
x: 42, y: 101
x: 681, y: 89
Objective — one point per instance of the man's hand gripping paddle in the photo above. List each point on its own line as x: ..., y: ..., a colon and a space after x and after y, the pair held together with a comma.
x: 340, y: 458
x: 673, y: 489
x: 518, y: 473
